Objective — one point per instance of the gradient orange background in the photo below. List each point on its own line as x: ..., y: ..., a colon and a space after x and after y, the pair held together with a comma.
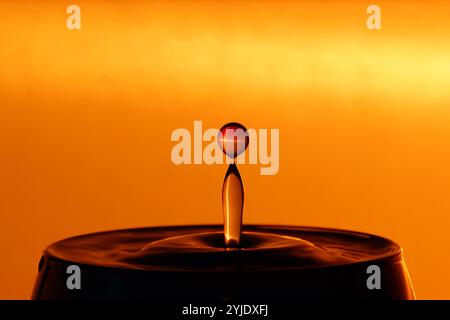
x: 86, y: 118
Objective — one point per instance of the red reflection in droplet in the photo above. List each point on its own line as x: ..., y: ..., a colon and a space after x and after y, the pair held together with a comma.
x: 233, y: 139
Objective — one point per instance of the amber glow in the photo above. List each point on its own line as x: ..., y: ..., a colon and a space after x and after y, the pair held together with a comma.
x: 86, y: 118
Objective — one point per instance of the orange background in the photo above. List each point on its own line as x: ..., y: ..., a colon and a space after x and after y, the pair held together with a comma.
x: 86, y: 118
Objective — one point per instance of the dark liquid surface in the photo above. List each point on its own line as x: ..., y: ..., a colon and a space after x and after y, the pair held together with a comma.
x: 201, y: 248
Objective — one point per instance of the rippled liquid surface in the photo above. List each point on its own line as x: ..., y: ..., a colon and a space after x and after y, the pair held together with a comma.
x: 200, y: 248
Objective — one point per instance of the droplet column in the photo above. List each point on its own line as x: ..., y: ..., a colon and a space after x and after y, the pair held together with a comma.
x: 233, y: 140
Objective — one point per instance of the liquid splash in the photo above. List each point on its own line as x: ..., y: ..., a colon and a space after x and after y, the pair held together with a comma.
x: 179, y: 262
x: 233, y: 140
x: 233, y: 206
x: 201, y: 248
x: 229, y: 260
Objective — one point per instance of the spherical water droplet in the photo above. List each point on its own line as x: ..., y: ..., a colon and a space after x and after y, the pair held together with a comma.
x: 233, y: 139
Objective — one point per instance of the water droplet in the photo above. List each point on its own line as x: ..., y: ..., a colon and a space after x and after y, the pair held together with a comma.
x: 233, y: 139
